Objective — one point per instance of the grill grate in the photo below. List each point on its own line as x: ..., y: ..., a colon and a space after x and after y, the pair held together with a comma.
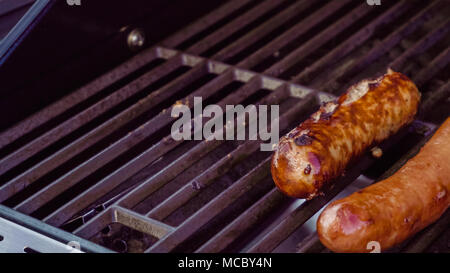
x: 103, y: 155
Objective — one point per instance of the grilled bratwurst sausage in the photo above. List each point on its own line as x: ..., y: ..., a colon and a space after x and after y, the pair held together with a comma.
x: 394, y: 209
x: 319, y: 149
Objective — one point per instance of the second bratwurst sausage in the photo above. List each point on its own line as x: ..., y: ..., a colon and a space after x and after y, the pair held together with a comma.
x: 319, y: 149
x: 390, y: 211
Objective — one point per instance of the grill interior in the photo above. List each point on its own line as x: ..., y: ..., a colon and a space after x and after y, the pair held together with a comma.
x: 100, y: 162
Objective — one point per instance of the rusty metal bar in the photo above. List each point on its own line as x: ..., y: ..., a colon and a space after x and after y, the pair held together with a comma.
x: 353, y: 42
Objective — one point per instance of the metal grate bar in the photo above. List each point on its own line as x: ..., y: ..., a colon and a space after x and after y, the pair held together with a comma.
x: 120, y: 175
x: 70, y: 125
x: 275, y: 22
x: 95, y: 225
x: 151, y: 185
x: 153, y: 153
x: 267, y: 83
x: 434, y: 97
x: 424, y: 44
x: 102, y: 220
x: 436, y: 65
x: 235, y: 25
x: 219, y: 168
x: 294, y: 32
x: 387, y: 44
x: 165, y: 175
x: 220, y: 13
x: 282, y: 40
x: 353, y: 42
x: 43, y: 167
x: 118, y: 147
x: 74, y: 98
x: 140, y: 223
x: 111, y: 181
x: 310, y: 244
x: 80, y: 119
x: 213, y: 208
x: 300, y: 215
x: 32, y: 174
x: 244, y: 222
x: 319, y: 40
x: 188, y: 191
x: 222, y: 200
x: 182, y: 163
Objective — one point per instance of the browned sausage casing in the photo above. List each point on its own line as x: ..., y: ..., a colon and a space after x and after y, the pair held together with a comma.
x: 390, y: 211
x: 319, y: 149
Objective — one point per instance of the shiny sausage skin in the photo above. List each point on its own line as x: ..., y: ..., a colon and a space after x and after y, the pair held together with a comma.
x: 394, y: 209
x: 319, y: 149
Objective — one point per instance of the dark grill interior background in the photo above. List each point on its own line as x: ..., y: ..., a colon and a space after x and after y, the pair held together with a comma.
x: 10, y: 14
x: 100, y: 162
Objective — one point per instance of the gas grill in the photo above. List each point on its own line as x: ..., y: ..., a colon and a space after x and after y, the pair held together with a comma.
x: 95, y: 162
